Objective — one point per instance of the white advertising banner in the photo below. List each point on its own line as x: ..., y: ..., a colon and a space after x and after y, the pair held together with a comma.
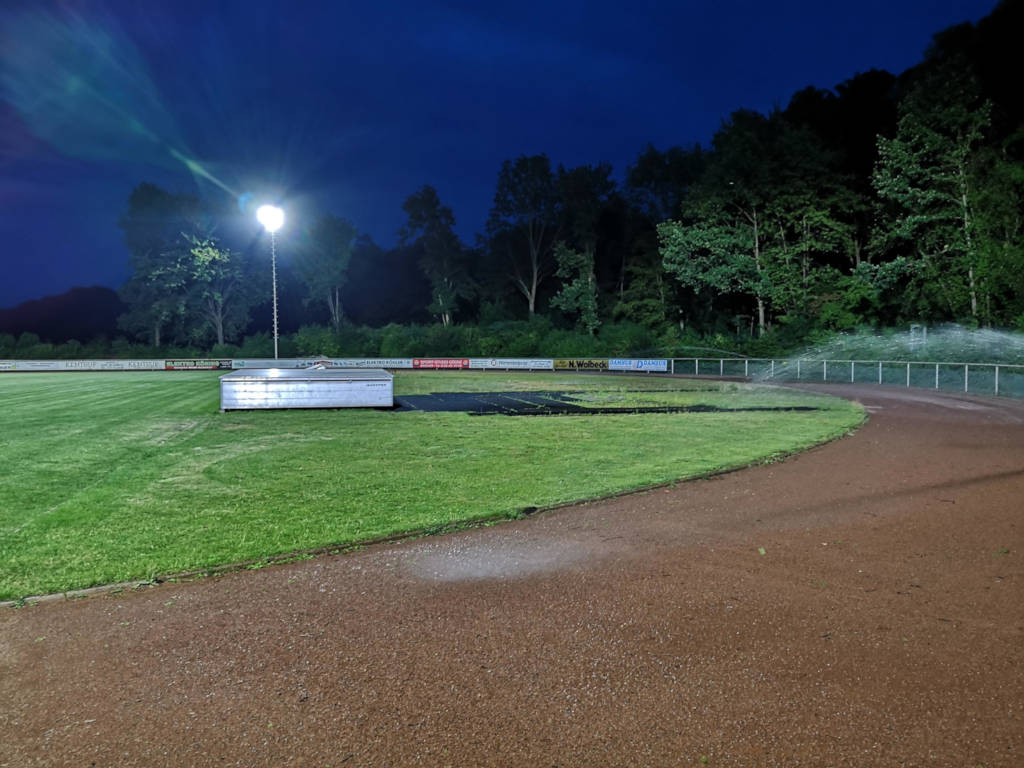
x: 630, y: 364
x: 81, y: 365
x: 330, y: 362
x: 372, y: 362
x: 512, y: 363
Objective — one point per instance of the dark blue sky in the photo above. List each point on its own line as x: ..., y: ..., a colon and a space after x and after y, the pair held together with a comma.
x: 349, y: 107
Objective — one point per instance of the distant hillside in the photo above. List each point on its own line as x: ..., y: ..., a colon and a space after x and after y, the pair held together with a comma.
x: 81, y: 314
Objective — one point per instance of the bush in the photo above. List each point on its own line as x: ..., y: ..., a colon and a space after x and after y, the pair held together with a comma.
x: 316, y: 340
x: 224, y: 351
x: 401, y: 340
x: 257, y: 345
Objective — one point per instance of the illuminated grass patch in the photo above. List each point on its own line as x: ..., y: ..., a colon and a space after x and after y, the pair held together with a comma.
x: 114, y: 477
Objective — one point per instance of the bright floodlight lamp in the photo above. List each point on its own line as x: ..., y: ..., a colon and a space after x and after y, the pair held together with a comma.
x: 272, y: 217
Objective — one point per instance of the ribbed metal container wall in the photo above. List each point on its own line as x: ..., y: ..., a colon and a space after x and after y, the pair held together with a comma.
x: 264, y: 388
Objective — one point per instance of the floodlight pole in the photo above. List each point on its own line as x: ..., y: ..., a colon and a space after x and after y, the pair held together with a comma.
x: 272, y: 218
x: 273, y: 273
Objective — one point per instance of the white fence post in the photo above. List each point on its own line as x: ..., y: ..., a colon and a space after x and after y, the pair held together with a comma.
x: 696, y: 366
x: 824, y: 370
x: 997, y: 379
x: 879, y: 372
x: 745, y: 368
x: 965, y: 377
x: 797, y: 368
x: 851, y: 371
x: 936, y: 375
x: 721, y: 367
x: 773, y: 367
x: 908, y: 374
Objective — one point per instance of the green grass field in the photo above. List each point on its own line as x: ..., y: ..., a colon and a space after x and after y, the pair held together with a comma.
x: 115, y: 477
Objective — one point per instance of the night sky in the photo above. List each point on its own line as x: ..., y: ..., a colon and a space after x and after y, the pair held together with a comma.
x: 349, y: 107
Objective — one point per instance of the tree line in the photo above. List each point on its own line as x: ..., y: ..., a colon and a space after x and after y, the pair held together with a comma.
x: 888, y: 199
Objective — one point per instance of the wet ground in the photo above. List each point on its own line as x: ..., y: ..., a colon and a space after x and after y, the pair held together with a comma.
x: 545, y: 404
x: 861, y: 604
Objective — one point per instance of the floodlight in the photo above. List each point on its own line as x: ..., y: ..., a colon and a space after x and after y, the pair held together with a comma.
x: 271, y: 217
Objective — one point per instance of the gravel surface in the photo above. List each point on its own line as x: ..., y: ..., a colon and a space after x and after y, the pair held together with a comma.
x: 861, y: 604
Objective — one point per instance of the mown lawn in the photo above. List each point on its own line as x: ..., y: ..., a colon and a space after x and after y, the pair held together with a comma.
x: 114, y: 477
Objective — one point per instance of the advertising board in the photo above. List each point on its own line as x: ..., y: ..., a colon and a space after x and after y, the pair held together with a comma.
x: 372, y: 362
x: 329, y: 362
x: 81, y: 365
x: 440, y: 362
x: 579, y: 364
x: 630, y: 364
x: 511, y: 363
x: 197, y: 365
x: 113, y: 365
x: 39, y: 365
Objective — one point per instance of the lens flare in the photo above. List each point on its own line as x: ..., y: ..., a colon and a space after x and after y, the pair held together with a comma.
x: 86, y: 90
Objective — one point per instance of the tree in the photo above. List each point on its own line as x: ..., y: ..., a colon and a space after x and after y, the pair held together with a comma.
x: 444, y: 260
x: 999, y: 222
x: 322, y: 260
x: 926, y: 176
x: 724, y: 226
x: 658, y: 181
x: 715, y: 252
x: 219, y: 292
x: 579, y: 290
x: 656, y: 185
x: 157, y: 291
x: 523, y: 223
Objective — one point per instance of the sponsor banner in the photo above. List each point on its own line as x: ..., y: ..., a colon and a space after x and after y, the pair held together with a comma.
x: 197, y: 365
x: 330, y: 362
x: 638, y: 365
x: 580, y: 364
x: 114, y: 365
x: 81, y: 365
x: 372, y: 362
x: 39, y: 365
x: 269, y: 362
x: 440, y: 362
x: 511, y: 363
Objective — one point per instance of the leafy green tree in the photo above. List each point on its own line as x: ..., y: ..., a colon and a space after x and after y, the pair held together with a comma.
x: 445, y: 260
x: 720, y: 241
x: 321, y: 262
x: 655, y: 186
x: 999, y: 222
x: 719, y: 249
x: 157, y: 291
x: 657, y: 182
x: 578, y: 294
x: 523, y: 224
x: 584, y: 194
x: 926, y: 176
x: 221, y: 295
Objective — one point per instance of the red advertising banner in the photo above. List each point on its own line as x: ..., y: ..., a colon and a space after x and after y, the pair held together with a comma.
x: 440, y: 362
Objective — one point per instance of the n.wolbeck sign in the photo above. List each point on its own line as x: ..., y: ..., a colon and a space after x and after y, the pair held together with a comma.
x: 580, y: 364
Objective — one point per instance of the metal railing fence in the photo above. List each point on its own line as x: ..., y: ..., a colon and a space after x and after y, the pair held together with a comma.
x: 973, y: 378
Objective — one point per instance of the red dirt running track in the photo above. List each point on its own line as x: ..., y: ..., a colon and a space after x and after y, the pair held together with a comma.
x: 882, y: 626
